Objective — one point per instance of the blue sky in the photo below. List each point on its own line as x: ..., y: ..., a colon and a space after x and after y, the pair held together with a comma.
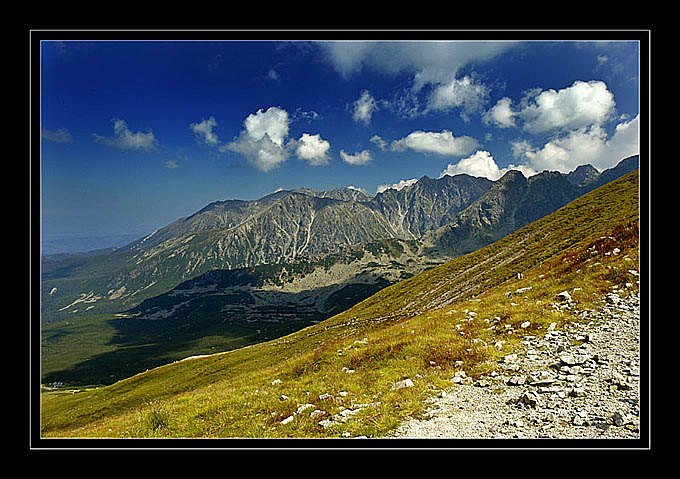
x: 138, y: 134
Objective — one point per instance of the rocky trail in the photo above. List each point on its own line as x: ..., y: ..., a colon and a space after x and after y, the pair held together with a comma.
x: 582, y: 382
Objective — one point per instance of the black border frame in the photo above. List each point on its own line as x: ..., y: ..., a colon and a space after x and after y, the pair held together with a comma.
x: 35, y: 443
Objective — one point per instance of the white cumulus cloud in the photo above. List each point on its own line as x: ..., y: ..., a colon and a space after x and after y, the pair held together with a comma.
x: 126, y: 139
x: 274, y: 122
x: 582, y: 146
x: 262, y: 139
x: 442, y: 143
x: 578, y: 106
x: 360, y: 158
x: 482, y: 164
x: 312, y: 149
x: 500, y: 114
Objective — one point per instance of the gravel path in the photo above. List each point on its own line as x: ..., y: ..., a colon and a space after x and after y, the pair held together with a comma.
x: 554, y: 390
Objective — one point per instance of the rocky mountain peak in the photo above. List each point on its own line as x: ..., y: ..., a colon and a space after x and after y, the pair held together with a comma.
x: 582, y: 174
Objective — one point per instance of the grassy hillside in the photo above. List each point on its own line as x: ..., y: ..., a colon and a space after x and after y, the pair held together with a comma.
x: 419, y: 329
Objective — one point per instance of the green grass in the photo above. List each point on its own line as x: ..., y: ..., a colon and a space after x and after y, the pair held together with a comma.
x: 409, y: 330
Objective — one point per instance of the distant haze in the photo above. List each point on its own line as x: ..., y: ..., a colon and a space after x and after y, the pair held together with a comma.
x: 78, y: 244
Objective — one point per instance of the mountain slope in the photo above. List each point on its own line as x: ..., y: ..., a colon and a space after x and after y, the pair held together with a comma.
x: 427, y: 204
x: 348, y: 374
x: 515, y: 201
x: 582, y: 174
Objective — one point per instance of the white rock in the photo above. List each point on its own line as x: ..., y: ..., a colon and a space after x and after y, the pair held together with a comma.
x: 316, y: 413
x: 287, y: 420
x: 325, y: 423
x: 406, y: 383
x: 510, y: 358
x: 302, y: 407
x: 564, y: 296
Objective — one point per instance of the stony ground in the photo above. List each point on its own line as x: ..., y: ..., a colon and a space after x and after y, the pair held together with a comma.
x: 582, y: 382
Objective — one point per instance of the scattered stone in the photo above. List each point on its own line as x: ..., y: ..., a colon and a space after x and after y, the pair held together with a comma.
x: 618, y: 419
x: 576, y: 392
x: 525, y: 324
x: 578, y: 420
x: 514, y: 422
x: 316, y: 413
x: 302, y: 407
x: 620, y: 382
x: 559, y: 388
x: 276, y: 381
x: 564, y: 296
x: 324, y: 423
x: 572, y: 360
x: 510, y: 358
x: 406, y: 383
x: 516, y: 380
x: 528, y: 399
x: 287, y: 420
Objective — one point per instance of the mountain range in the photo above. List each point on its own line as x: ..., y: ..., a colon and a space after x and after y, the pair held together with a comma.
x: 433, y: 219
